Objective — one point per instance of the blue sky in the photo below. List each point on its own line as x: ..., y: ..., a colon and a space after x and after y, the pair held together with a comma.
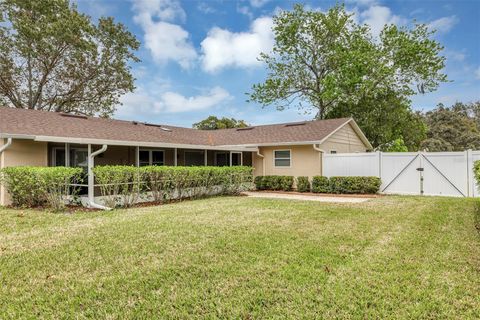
x: 199, y: 57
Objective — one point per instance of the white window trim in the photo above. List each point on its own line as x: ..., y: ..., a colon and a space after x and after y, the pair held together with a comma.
x: 291, y: 158
x: 150, y: 156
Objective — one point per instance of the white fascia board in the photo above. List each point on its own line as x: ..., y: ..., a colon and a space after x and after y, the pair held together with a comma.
x: 121, y: 143
x: 273, y: 144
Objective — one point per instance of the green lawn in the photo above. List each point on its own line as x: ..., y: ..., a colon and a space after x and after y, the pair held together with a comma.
x: 238, y: 257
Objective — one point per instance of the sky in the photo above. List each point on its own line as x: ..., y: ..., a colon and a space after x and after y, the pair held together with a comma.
x: 199, y: 58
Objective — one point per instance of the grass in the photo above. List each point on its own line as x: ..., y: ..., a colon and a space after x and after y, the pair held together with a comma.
x: 237, y: 257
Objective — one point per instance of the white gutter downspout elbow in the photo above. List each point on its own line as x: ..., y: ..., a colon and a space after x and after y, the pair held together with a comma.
x: 263, y: 161
x: 318, y: 149
x: 91, y: 178
x: 321, y: 152
x: 6, y: 145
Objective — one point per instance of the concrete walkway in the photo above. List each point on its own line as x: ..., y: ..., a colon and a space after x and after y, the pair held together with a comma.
x: 319, y: 198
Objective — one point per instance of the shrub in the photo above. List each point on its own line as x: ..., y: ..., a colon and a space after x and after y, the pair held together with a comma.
x: 40, y: 186
x: 320, y: 184
x: 303, y: 185
x: 125, y: 185
x: 260, y: 183
x: 346, y: 185
x: 119, y: 184
x: 476, y: 171
x: 360, y: 185
x: 274, y: 183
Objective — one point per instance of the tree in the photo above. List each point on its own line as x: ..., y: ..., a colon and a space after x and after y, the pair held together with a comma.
x: 452, y: 129
x: 328, y: 64
x: 54, y: 58
x: 214, y: 123
x: 397, y: 145
x: 385, y: 119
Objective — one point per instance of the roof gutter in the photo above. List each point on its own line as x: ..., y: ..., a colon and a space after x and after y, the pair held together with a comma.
x: 91, y: 177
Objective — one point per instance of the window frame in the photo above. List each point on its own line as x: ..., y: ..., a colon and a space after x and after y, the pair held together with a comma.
x: 289, y: 158
x: 150, y: 157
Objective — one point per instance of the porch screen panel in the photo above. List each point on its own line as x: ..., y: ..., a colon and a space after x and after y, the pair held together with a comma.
x: 194, y: 158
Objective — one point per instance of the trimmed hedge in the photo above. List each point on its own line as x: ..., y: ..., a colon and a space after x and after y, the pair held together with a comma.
x: 284, y: 183
x: 303, y: 184
x: 320, y: 184
x: 125, y: 185
x: 346, y: 185
x: 40, y: 186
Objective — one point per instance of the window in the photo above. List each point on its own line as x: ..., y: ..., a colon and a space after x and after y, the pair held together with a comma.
x: 282, y: 158
x: 194, y: 158
x: 222, y: 159
x: 333, y: 151
x: 157, y: 158
x: 59, y: 157
x: 78, y: 157
x: 236, y: 158
x: 151, y: 158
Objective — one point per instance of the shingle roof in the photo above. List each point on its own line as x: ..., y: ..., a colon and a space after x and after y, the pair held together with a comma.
x: 50, y: 124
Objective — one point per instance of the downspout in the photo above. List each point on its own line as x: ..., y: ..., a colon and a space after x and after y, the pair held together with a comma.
x: 6, y: 145
x: 321, y: 152
x: 91, y: 178
x: 3, y: 148
x: 263, y: 161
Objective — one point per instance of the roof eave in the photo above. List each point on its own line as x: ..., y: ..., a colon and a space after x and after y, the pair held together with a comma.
x: 121, y: 142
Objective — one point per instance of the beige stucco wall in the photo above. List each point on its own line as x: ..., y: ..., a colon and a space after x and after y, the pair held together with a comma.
x: 22, y: 153
x: 305, y: 161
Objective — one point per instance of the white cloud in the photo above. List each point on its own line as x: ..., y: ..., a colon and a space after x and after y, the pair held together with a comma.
x: 205, y: 8
x: 477, y: 73
x: 444, y: 24
x: 245, y: 10
x: 174, y: 102
x: 456, y: 55
x: 378, y: 16
x: 165, y: 10
x: 223, y: 48
x: 363, y: 3
x: 258, y: 3
x: 143, y: 102
x: 165, y: 41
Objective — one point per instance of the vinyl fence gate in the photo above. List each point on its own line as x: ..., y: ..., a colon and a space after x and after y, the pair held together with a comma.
x: 412, y: 173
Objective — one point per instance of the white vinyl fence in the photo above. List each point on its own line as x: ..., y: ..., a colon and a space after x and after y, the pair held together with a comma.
x: 415, y: 173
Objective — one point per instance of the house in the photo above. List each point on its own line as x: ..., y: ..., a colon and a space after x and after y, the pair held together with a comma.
x: 40, y: 138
